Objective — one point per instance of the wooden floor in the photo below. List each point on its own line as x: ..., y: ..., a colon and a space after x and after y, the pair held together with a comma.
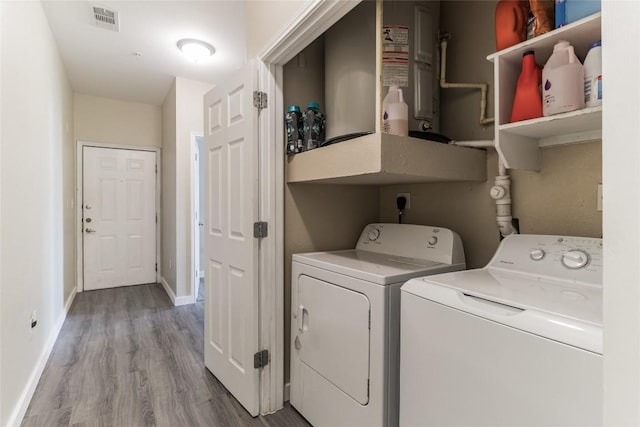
x: 127, y: 357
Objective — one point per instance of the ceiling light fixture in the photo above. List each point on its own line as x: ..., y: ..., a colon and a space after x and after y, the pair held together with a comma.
x: 196, y: 50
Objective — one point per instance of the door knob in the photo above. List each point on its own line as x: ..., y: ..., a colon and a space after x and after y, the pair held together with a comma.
x: 89, y: 230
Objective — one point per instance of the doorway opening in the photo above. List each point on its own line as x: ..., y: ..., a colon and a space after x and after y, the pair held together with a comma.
x: 197, y: 219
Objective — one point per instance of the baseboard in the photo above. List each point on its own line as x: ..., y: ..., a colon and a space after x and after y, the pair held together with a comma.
x: 287, y: 392
x: 176, y: 301
x: 23, y: 402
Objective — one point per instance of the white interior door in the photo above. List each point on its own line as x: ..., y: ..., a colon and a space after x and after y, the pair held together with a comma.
x: 119, y: 214
x: 231, y: 197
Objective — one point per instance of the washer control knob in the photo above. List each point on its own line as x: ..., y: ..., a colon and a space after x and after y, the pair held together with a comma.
x: 374, y: 234
x: 575, y: 259
x: 432, y: 240
x: 537, y: 254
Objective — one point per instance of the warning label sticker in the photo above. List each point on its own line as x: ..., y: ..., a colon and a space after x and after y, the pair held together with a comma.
x: 395, y: 55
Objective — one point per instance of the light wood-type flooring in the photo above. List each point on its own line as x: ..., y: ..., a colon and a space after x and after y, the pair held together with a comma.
x: 126, y: 357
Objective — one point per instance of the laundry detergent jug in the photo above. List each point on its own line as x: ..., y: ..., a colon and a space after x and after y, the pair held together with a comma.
x: 593, y: 75
x: 395, y: 113
x: 527, y: 103
x: 562, y: 81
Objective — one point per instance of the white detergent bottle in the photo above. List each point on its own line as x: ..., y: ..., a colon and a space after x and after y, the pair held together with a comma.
x: 395, y: 113
x: 593, y: 75
x: 562, y: 81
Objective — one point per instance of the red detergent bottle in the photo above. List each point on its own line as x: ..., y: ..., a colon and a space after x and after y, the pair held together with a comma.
x: 527, y: 103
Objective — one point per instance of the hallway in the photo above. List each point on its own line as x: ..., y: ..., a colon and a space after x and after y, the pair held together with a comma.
x: 127, y: 357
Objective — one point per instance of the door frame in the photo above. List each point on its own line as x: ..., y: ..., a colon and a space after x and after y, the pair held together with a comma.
x: 314, y: 18
x: 79, y: 202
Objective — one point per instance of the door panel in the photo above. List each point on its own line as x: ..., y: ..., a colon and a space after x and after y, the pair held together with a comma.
x: 333, y: 326
x: 119, y: 211
x: 231, y: 193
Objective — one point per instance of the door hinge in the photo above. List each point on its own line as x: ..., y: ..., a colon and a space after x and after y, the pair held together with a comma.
x: 261, y: 359
x: 156, y: 266
x: 156, y: 168
x: 260, y: 230
x: 156, y: 218
x: 260, y: 100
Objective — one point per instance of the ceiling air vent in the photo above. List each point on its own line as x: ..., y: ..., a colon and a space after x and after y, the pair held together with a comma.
x: 106, y: 18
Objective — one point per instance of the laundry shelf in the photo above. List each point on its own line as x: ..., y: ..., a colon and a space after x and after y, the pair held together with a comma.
x: 580, y: 125
x: 518, y: 144
x: 380, y: 159
x: 580, y: 33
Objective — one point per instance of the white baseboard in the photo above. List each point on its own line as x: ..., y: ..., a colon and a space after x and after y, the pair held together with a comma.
x: 287, y: 392
x: 176, y: 301
x: 25, y: 398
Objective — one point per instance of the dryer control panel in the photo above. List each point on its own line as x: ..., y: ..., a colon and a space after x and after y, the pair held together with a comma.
x: 561, y: 257
x: 413, y: 241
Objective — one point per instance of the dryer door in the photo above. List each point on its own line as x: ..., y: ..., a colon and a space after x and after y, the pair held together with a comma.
x: 333, y: 331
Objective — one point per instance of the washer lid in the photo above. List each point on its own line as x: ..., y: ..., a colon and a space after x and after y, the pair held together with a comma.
x: 381, y: 269
x: 564, y: 311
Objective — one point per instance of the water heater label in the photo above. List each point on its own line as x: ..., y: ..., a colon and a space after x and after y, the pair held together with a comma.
x: 395, y: 55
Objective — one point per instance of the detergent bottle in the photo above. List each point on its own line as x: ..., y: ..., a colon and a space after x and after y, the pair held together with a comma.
x: 562, y: 81
x: 527, y: 103
x: 395, y: 113
x: 593, y: 75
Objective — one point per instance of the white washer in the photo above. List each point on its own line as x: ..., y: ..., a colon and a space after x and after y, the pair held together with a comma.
x: 517, y: 343
x: 345, y: 321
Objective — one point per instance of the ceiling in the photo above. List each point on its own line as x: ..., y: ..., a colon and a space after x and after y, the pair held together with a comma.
x: 104, y: 63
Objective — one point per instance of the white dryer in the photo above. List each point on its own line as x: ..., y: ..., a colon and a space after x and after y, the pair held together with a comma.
x: 516, y: 343
x: 345, y: 321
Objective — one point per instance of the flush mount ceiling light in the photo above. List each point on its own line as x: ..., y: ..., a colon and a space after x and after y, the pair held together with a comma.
x: 196, y: 50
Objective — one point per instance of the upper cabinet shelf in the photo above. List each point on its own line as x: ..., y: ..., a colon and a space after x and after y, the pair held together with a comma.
x: 380, y: 158
x: 518, y: 143
x: 579, y: 33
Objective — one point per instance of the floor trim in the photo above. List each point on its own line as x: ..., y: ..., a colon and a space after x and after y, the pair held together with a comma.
x: 25, y: 399
x: 176, y: 301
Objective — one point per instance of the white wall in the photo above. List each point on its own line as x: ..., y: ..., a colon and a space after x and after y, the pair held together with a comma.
x: 266, y: 19
x: 168, y: 214
x: 112, y: 121
x: 37, y: 214
x: 182, y: 114
x: 621, y: 180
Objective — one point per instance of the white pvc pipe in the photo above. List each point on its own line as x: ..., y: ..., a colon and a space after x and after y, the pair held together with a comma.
x: 502, y: 170
x: 475, y: 144
x: 484, y: 87
x: 501, y: 192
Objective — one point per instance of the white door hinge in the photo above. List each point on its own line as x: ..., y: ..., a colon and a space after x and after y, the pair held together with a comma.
x: 260, y: 230
x: 260, y: 100
x: 261, y: 359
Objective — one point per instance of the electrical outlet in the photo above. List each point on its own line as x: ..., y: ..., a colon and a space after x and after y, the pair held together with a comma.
x: 599, y: 197
x: 406, y: 196
x: 33, y: 319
